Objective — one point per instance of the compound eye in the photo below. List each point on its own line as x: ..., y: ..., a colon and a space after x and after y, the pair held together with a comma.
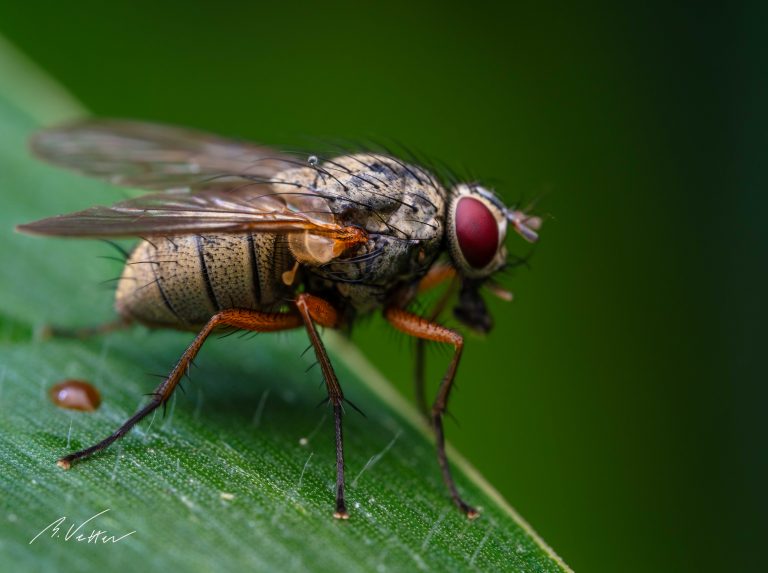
x: 477, y: 232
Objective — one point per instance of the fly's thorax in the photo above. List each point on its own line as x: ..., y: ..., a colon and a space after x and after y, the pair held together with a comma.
x: 182, y: 281
x: 401, y: 207
x: 367, y: 189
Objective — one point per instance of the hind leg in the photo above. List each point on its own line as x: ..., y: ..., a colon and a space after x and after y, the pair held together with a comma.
x: 243, y: 319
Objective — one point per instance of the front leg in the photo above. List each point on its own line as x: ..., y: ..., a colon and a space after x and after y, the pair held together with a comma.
x: 438, y: 274
x: 422, y: 328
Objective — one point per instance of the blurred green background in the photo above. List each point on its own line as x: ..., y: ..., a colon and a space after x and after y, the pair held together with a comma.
x: 617, y: 405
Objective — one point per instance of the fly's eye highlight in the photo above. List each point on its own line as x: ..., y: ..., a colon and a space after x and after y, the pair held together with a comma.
x: 477, y: 232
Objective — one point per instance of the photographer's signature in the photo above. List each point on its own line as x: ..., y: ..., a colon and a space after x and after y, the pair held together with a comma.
x: 75, y: 532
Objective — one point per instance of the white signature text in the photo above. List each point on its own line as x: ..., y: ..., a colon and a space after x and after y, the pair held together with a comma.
x: 78, y: 533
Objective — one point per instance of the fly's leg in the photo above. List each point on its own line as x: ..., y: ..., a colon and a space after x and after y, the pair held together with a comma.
x: 423, y: 328
x: 315, y: 310
x: 243, y: 319
x: 419, y: 366
x: 436, y: 275
x: 87, y: 331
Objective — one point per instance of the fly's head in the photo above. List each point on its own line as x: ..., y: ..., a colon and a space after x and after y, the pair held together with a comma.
x: 477, y: 227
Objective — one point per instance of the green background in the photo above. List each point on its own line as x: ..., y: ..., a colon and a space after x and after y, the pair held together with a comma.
x: 617, y: 405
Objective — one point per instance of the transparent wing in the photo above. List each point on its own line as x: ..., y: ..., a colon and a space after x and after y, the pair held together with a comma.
x: 255, y: 208
x: 155, y: 156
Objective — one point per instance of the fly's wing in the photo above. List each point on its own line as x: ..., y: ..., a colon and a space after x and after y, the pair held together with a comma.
x: 155, y: 156
x: 212, y: 185
x: 256, y: 208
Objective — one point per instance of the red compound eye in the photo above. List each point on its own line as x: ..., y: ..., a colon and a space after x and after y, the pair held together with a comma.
x: 476, y: 231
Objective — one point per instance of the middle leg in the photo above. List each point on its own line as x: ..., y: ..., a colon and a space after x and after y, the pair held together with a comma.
x: 316, y: 310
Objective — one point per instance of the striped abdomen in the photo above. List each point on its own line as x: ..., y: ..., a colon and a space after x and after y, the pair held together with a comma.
x: 182, y: 281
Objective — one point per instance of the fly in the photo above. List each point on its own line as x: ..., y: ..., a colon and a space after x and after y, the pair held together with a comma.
x: 236, y: 235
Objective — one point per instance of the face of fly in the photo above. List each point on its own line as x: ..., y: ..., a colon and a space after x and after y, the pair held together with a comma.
x: 477, y: 227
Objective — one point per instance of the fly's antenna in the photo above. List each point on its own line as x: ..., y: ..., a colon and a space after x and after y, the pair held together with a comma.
x: 525, y: 225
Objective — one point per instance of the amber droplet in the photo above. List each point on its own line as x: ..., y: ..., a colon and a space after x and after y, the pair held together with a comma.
x: 75, y: 395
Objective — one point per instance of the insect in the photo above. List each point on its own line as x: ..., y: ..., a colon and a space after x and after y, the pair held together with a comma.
x: 240, y: 236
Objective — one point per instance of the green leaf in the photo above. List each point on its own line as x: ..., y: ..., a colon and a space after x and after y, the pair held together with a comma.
x: 239, y: 474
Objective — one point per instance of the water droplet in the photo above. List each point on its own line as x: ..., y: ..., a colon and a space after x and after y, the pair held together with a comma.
x: 312, y: 160
x: 75, y: 395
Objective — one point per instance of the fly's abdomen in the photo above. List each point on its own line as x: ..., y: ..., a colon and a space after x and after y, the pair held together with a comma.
x: 182, y: 281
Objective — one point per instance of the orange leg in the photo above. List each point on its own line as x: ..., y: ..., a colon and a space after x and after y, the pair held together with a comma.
x: 245, y: 319
x: 422, y: 328
x: 437, y: 274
